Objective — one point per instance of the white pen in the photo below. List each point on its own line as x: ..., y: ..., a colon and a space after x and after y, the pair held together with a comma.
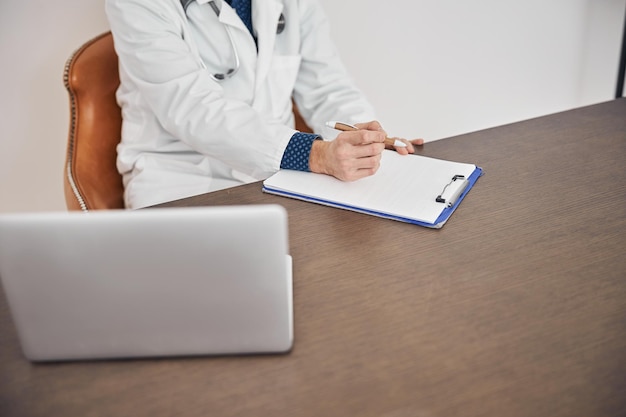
x: 345, y: 127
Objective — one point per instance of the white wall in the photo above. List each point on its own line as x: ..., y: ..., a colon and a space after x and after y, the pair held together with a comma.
x: 440, y: 68
x: 432, y: 68
x: 36, y: 38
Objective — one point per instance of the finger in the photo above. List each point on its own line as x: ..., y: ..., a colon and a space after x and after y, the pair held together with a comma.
x: 402, y: 150
x: 372, y: 136
x: 362, y: 173
x: 352, y: 137
x: 410, y: 146
x: 347, y: 165
x: 405, y: 150
x: 357, y: 168
x: 361, y: 137
x: 370, y: 161
x: 365, y: 167
x: 366, y: 151
x: 374, y: 125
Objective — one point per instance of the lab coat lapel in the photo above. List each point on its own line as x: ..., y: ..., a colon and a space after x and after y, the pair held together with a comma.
x: 265, y: 14
x: 228, y: 16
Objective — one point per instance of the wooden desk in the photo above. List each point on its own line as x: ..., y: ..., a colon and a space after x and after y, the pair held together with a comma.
x: 517, y: 307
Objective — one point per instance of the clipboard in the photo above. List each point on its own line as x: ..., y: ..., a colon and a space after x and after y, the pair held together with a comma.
x: 409, y: 188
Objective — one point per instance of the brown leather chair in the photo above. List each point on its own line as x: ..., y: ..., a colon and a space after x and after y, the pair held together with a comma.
x: 91, y: 179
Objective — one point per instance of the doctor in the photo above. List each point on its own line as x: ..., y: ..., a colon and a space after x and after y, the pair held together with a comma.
x: 206, y: 96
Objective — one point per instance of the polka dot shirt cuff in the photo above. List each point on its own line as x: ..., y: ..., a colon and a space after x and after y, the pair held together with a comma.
x: 298, y: 150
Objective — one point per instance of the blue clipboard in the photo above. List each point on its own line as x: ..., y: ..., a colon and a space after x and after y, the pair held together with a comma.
x: 450, y: 197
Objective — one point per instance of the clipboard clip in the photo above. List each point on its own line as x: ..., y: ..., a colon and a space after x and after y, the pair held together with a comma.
x: 452, y: 190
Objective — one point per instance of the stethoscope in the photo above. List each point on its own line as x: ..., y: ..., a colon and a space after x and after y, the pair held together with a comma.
x: 231, y: 71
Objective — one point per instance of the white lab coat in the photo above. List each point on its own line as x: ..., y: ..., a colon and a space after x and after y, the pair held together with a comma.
x: 184, y: 133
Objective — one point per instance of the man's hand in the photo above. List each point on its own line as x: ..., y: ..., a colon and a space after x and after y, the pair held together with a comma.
x: 410, y: 144
x: 352, y: 155
x: 355, y: 154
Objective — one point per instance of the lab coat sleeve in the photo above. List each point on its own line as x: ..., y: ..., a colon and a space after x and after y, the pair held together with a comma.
x: 324, y: 90
x: 149, y: 39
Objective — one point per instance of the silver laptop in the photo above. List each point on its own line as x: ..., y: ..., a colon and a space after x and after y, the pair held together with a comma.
x: 154, y: 282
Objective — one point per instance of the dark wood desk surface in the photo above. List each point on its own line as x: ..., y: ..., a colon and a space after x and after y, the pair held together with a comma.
x: 517, y: 307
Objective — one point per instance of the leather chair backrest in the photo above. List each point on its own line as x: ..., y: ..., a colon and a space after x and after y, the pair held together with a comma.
x: 91, y: 179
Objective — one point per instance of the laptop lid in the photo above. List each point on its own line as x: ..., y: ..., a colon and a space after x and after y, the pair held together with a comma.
x: 153, y: 282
